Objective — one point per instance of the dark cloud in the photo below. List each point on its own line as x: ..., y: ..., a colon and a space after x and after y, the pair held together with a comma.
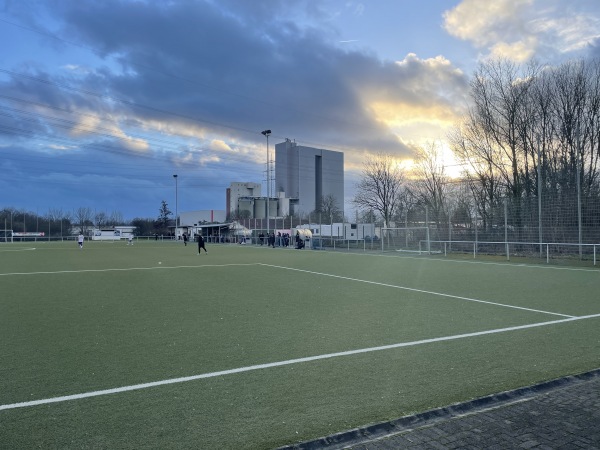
x: 217, y: 62
x: 180, y: 74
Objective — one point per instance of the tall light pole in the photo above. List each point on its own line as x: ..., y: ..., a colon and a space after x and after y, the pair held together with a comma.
x: 176, y: 201
x: 266, y: 134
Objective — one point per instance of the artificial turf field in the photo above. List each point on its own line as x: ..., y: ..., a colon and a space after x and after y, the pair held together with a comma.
x: 254, y: 347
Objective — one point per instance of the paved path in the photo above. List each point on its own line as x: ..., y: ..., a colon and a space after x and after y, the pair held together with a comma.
x: 560, y: 414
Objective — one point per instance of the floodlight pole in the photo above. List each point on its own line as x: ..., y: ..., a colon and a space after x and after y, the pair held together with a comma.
x: 176, y: 205
x: 266, y: 134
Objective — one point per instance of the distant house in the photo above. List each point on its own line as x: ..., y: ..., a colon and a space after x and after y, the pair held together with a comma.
x: 111, y: 233
x: 190, y: 220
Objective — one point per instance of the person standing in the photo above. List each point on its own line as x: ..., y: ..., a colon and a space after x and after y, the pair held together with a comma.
x: 201, y: 244
x: 80, y: 239
x: 185, y: 239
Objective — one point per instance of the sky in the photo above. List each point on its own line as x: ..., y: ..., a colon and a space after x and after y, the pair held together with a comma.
x: 103, y: 101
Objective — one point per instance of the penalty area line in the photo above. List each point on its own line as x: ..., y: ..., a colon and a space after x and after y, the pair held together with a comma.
x: 441, y: 294
x: 125, y: 269
x: 288, y: 362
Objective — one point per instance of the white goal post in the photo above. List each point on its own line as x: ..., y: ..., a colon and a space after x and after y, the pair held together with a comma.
x: 407, y: 239
x: 6, y: 236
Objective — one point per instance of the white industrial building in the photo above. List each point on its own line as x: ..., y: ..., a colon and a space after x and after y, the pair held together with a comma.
x: 307, y: 175
x: 238, y: 190
x: 303, y: 177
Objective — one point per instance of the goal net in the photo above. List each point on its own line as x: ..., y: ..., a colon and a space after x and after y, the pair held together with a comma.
x: 6, y: 236
x: 411, y: 239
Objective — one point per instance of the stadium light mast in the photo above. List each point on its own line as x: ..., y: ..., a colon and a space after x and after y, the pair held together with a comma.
x: 266, y: 134
x: 176, y: 201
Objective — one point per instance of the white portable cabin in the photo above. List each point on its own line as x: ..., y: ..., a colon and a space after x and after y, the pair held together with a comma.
x: 343, y: 230
x: 112, y: 233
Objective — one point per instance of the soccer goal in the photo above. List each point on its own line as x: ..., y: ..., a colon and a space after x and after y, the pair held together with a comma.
x: 411, y: 239
x: 6, y: 236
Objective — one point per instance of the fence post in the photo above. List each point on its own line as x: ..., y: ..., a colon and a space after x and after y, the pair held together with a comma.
x: 476, y: 234
x: 449, y: 230
x: 427, y: 225
x: 579, y: 193
x: 506, y: 227
x: 539, y: 175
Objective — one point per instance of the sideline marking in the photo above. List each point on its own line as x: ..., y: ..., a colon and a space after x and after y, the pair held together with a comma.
x: 418, y: 290
x: 282, y: 363
x: 126, y: 269
x: 19, y: 250
x: 430, y: 258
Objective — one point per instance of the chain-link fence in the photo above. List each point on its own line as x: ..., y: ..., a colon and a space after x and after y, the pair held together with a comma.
x: 549, y: 229
x: 567, y: 227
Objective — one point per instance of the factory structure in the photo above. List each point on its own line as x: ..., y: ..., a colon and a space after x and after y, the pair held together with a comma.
x: 303, y: 177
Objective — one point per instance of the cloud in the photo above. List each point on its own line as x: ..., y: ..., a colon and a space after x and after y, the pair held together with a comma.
x: 220, y: 145
x: 415, y: 95
x: 165, y: 88
x: 520, y: 51
x: 231, y: 85
x: 522, y: 29
x: 485, y: 23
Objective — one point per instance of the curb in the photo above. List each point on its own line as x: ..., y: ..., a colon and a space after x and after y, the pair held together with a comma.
x: 383, y: 429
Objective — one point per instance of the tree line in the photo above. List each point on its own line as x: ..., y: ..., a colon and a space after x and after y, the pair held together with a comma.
x: 529, y: 146
x: 59, y: 222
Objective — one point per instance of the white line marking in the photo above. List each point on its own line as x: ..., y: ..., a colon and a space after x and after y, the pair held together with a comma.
x: 126, y: 269
x: 283, y: 363
x: 429, y: 258
x: 418, y: 290
x: 19, y: 250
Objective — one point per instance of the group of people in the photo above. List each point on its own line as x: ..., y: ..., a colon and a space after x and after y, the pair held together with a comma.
x: 281, y: 240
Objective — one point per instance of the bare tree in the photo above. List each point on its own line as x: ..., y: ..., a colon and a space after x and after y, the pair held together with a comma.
x: 532, y: 136
x: 499, y: 90
x: 100, y: 219
x: 328, y: 209
x: 430, y: 184
x: 473, y: 148
x: 83, y: 217
x: 380, y: 185
x: 407, y: 203
x: 115, y: 218
x: 496, y: 138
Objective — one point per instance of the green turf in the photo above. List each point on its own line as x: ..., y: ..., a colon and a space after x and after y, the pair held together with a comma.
x: 75, y: 321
